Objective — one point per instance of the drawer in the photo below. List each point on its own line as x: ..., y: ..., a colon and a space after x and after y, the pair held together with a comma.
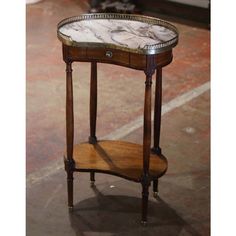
x: 108, y: 55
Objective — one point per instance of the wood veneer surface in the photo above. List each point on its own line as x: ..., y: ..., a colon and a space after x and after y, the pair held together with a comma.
x: 117, y: 157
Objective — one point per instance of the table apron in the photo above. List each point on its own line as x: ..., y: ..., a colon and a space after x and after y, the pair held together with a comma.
x: 114, y: 56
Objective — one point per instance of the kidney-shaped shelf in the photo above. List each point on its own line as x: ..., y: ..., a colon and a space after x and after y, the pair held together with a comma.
x: 119, y: 158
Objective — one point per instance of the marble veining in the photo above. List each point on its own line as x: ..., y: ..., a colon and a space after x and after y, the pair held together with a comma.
x: 125, y: 33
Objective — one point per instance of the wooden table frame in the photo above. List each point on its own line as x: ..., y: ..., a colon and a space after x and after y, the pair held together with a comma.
x: 139, y: 163
x: 147, y: 63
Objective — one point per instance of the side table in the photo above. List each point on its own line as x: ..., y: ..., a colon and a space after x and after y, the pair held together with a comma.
x: 134, y: 41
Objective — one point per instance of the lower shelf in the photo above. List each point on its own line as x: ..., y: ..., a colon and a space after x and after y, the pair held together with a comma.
x: 119, y: 158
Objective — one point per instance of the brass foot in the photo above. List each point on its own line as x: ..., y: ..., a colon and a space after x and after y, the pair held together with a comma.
x: 155, y: 194
x: 144, y: 223
x: 92, y: 183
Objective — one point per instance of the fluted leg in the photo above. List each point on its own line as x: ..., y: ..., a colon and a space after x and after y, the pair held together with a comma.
x: 69, y: 162
x: 157, y: 112
x: 93, y: 103
x: 145, y: 194
x: 157, y: 122
x: 93, y: 111
x: 145, y: 181
x: 70, y: 188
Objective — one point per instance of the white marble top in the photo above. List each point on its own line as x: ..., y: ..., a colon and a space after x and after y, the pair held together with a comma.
x: 119, y: 32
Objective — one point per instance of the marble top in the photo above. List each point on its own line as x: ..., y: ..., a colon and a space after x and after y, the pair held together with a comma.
x: 130, y: 35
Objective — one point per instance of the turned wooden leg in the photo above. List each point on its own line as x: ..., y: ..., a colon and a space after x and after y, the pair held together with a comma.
x: 92, y: 178
x: 157, y: 122
x: 155, y: 188
x: 70, y: 189
x: 93, y: 103
x: 93, y: 111
x: 145, y: 181
x: 145, y: 194
x: 157, y: 112
x: 69, y: 162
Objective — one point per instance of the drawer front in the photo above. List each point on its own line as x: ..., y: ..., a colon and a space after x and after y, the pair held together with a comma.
x: 108, y: 55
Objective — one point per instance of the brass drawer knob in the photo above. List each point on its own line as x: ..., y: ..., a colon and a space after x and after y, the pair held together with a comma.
x: 109, y: 54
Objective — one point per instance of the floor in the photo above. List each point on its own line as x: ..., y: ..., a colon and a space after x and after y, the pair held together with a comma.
x: 113, y: 206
